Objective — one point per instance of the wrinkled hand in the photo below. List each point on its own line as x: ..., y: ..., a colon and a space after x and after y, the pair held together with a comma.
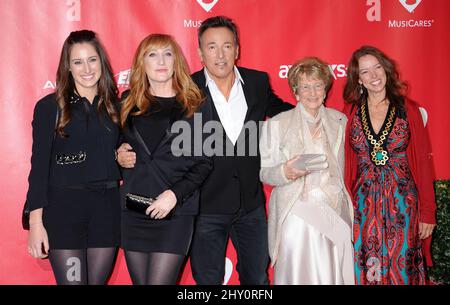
x: 125, y: 156
x: 38, y: 241
x: 291, y: 172
x: 164, y: 203
x: 425, y: 229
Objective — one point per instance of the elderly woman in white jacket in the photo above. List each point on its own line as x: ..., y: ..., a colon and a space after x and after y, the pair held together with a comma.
x: 310, y: 212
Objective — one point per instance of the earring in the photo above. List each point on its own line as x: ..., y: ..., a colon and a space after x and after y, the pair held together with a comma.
x: 361, y: 91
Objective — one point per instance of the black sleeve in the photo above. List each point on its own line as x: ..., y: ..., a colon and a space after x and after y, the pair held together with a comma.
x: 275, y: 104
x: 203, y: 165
x: 44, y: 119
x: 119, y: 108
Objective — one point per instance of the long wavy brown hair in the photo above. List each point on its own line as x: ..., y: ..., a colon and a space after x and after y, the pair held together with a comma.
x: 187, y: 92
x: 395, y: 88
x: 65, y: 84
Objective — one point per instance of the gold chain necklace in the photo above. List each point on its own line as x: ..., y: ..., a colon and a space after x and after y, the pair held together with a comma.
x: 378, y: 153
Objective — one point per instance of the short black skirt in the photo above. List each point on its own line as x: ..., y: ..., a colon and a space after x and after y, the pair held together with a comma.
x: 144, y: 234
x: 81, y: 218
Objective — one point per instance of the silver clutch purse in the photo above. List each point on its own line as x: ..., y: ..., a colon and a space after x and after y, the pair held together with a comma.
x: 311, y: 162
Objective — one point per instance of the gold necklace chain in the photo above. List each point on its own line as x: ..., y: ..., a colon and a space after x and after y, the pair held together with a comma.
x: 378, y: 153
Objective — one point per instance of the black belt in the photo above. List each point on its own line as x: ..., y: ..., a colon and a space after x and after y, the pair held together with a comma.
x: 95, y: 186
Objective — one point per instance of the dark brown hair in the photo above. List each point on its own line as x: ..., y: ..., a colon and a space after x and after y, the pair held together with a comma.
x: 395, y: 88
x: 65, y: 84
x: 218, y: 22
x: 187, y: 92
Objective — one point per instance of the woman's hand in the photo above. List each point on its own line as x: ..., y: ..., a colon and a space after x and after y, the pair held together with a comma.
x: 38, y: 240
x: 291, y: 172
x: 164, y: 203
x: 425, y: 229
x: 125, y: 156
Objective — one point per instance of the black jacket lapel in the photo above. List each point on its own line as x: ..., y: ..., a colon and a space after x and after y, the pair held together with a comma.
x: 137, y: 136
x: 249, y: 97
x: 176, y: 114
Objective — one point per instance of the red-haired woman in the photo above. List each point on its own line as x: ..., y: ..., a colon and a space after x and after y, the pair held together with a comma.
x: 162, y: 100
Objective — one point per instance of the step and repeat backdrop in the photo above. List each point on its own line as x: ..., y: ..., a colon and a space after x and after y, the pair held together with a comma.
x: 274, y: 34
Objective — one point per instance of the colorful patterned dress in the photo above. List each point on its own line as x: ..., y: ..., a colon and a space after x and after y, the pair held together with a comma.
x: 387, y: 245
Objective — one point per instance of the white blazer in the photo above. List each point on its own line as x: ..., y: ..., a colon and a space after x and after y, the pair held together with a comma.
x: 280, y: 141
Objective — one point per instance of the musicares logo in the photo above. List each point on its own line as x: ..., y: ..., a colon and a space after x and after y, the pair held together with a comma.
x: 374, y: 14
x: 207, y: 4
x: 410, y: 7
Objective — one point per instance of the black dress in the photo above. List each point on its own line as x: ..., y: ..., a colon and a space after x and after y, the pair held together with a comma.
x: 75, y: 178
x: 157, y: 170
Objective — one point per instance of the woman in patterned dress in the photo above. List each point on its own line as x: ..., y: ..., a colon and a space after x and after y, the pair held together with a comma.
x: 389, y: 174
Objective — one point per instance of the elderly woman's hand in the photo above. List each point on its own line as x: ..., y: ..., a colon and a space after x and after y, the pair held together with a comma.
x: 125, y: 157
x: 291, y: 172
x: 425, y: 229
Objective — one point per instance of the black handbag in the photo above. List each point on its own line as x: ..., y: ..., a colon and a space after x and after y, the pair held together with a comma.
x: 26, y: 209
x: 140, y: 204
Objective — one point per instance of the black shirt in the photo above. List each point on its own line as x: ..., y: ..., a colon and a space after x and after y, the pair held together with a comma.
x: 85, y: 156
x: 152, y: 126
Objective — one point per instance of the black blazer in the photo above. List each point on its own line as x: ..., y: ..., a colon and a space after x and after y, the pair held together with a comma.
x: 235, y: 179
x: 158, y: 170
x: 87, y: 155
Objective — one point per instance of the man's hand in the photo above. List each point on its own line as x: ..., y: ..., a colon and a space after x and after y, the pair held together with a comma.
x: 125, y: 156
